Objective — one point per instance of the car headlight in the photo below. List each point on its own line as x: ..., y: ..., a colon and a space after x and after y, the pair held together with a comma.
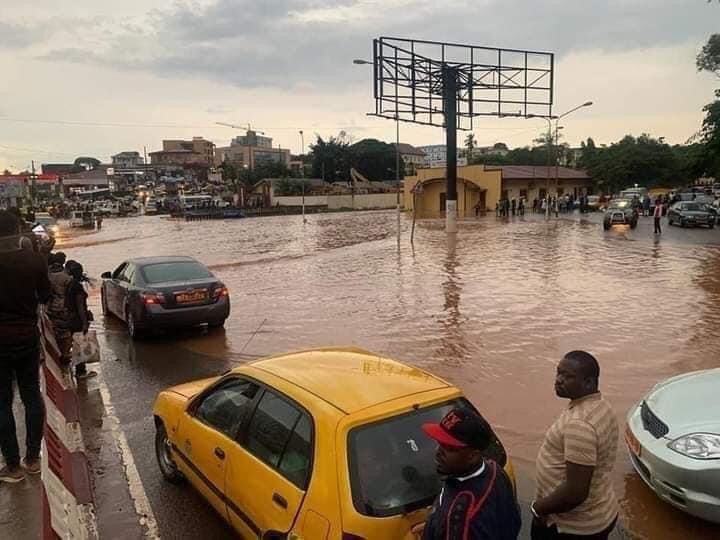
x: 697, y: 445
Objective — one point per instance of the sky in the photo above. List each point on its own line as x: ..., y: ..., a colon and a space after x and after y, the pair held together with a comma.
x: 94, y: 77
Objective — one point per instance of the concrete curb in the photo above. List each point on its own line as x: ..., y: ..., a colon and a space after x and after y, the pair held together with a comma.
x: 68, y: 507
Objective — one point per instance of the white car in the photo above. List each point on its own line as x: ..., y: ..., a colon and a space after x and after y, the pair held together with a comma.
x: 673, y: 436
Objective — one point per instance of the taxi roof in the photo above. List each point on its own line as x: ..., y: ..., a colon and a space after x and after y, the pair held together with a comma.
x: 350, y: 379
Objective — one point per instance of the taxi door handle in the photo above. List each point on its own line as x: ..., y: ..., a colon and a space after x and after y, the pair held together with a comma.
x: 279, y: 500
x: 219, y: 453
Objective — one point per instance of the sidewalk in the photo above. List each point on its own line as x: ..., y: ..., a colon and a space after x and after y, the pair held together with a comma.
x: 20, y: 504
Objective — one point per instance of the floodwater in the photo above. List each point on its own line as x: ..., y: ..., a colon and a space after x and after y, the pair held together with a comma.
x: 493, y: 312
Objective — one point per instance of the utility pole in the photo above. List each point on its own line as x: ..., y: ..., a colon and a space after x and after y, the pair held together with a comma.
x: 32, y: 185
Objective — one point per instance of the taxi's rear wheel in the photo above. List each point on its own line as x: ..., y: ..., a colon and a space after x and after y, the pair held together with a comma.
x: 164, y: 457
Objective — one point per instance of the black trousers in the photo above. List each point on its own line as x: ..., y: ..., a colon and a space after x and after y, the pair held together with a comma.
x: 21, y: 362
x: 658, y: 230
x: 541, y: 532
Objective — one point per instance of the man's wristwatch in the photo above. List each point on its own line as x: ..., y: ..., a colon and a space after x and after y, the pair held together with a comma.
x: 534, y: 512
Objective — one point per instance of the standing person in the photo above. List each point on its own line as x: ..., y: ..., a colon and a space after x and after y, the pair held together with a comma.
x: 513, y: 205
x: 57, y: 311
x: 98, y: 222
x: 574, y: 497
x: 657, y: 215
x: 477, y: 501
x: 76, y: 304
x: 23, y: 284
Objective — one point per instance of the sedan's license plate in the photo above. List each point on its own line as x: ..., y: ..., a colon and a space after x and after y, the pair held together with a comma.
x: 632, y: 442
x: 187, y: 298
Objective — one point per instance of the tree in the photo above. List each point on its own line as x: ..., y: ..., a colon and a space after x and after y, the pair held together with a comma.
x: 331, y: 158
x: 708, y: 59
x: 470, y: 145
x: 88, y: 163
x: 374, y: 159
x: 644, y: 160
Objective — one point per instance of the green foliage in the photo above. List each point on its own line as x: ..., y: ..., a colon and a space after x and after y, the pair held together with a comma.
x: 332, y: 159
x: 643, y: 160
x: 289, y: 187
x: 708, y: 59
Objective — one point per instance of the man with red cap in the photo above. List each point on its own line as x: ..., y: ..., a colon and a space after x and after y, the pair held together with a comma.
x: 477, y: 501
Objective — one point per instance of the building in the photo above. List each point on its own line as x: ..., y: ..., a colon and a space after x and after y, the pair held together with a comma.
x: 436, y: 156
x: 413, y: 158
x: 251, y: 151
x: 128, y: 160
x: 181, y: 153
x: 531, y: 182
x: 16, y: 188
x: 484, y: 185
x: 61, y: 168
x: 498, y: 149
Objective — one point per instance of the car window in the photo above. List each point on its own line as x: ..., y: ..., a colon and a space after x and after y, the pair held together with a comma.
x: 392, y: 462
x: 280, y: 435
x: 118, y: 271
x: 227, y: 406
x: 297, y: 458
x: 175, y: 271
x: 129, y: 273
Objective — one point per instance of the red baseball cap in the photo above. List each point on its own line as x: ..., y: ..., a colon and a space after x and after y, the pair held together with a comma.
x: 461, y: 428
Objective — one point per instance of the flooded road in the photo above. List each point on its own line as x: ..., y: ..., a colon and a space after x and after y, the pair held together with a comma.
x: 492, y: 312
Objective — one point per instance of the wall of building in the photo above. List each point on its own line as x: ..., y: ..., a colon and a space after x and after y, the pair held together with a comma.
x: 335, y: 202
x: 473, y: 181
x: 534, y: 188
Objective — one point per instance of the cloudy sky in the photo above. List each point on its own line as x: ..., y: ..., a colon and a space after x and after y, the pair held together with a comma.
x: 94, y: 77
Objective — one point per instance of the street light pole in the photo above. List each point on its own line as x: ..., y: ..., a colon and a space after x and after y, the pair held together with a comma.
x: 360, y: 62
x: 397, y: 174
x: 302, y: 173
x: 549, y: 120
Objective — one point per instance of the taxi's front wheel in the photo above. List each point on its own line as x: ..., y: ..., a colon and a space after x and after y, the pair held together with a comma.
x: 164, y: 457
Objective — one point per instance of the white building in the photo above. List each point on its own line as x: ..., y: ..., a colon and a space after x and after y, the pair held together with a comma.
x: 127, y: 160
x: 436, y: 156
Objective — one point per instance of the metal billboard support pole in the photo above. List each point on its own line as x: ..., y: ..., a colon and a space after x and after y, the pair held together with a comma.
x: 449, y: 75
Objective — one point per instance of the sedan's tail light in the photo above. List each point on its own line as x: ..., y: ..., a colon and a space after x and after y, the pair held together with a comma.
x: 152, y: 298
x: 220, y: 291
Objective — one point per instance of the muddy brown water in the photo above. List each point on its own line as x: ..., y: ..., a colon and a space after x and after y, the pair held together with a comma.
x: 493, y: 312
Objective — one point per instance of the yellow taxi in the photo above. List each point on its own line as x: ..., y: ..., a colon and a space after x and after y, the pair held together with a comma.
x: 318, y: 444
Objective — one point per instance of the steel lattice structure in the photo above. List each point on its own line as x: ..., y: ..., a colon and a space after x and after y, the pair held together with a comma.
x: 411, y: 79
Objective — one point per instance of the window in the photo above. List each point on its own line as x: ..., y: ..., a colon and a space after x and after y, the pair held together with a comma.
x: 296, y: 459
x: 227, y: 406
x: 129, y: 273
x: 392, y: 462
x: 280, y: 434
x: 118, y: 271
x: 524, y: 194
x: 175, y: 271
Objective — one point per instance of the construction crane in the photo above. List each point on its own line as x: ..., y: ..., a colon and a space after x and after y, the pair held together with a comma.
x: 248, y: 128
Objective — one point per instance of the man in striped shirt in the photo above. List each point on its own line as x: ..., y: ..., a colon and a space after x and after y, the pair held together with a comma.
x: 575, y: 499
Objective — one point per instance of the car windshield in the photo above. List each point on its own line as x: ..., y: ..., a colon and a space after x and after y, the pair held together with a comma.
x: 392, y: 462
x: 620, y: 204
x: 174, y: 271
x: 44, y: 220
x: 691, y: 207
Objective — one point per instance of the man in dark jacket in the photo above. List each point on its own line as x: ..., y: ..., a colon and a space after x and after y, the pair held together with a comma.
x: 477, y: 501
x: 23, y: 284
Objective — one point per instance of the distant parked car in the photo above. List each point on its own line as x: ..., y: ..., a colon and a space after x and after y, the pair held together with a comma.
x: 620, y: 212
x: 690, y: 214
x: 164, y: 292
x: 593, y: 202
x: 673, y: 436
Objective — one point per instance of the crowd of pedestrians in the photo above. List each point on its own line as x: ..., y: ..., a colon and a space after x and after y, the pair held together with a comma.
x: 34, y: 282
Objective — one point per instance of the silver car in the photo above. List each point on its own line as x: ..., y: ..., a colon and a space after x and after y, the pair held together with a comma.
x: 673, y: 436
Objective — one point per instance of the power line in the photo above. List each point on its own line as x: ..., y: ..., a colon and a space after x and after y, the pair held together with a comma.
x: 199, y: 126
